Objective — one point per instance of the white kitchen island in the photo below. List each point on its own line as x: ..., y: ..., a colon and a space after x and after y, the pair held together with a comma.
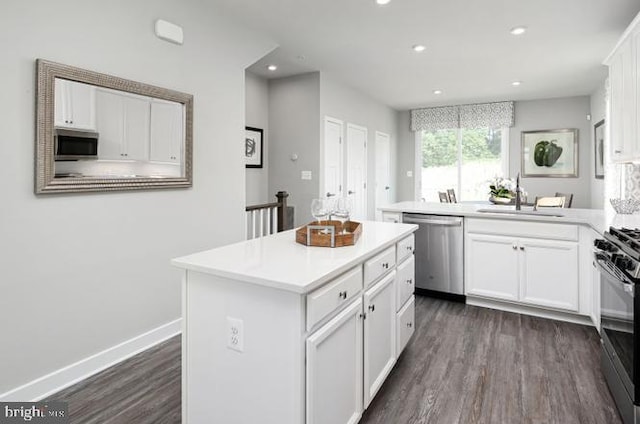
x: 275, y: 332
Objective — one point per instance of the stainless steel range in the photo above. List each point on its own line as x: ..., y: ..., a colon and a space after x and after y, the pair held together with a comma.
x: 618, y: 259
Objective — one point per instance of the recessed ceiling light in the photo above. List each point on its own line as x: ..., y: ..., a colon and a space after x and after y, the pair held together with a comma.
x: 382, y: 2
x: 516, y: 83
x: 518, y: 30
x: 437, y: 91
x: 419, y: 48
x: 272, y: 67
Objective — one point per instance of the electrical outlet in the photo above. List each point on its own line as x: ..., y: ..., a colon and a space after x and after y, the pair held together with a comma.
x: 235, y: 334
x: 305, y: 175
x: 409, y: 174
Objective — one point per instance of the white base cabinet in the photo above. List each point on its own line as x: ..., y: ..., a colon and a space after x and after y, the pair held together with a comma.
x: 317, y: 356
x: 519, y: 268
x: 334, y: 369
x: 379, y: 335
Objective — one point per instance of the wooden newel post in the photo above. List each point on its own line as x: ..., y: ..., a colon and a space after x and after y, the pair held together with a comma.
x: 282, y: 210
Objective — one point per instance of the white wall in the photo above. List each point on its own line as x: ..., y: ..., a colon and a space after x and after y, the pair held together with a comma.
x: 81, y: 273
x: 294, y: 123
x: 598, y: 112
x: 351, y: 106
x: 406, y: 157
x: 257, y: 116
x: 568, y: 112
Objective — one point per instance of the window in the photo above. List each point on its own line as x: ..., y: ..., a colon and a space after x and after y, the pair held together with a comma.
x: 463, y: 159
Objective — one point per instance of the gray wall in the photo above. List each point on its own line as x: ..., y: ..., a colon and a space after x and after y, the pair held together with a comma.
x: 294, y: 124
x: 406, y: 157
x: 351, y: 106
x: 257, y: 116
x: 569, y: 112
x: 598, y: 113
x: 530, y: 115
x: 82, y: 273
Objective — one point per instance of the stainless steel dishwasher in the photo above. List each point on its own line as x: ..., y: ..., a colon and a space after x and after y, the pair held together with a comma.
x: 439, y: 248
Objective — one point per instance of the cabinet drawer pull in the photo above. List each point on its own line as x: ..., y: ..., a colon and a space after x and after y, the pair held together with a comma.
x: 409, y: 324
x: 409, y: 281
x: 362, y: 315
x: 617, y: 151
x: 515, y: 247
x: 372, y: 308
x: 521, y: 247
x: 385, y: 265
x: 342, y: 295
x: 409, y: 248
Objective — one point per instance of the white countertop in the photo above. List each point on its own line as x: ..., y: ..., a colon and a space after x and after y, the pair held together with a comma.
x: 278, y: 261
x: 598, y: 219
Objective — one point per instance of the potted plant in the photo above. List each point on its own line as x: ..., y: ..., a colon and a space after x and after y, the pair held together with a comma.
x: 502, y: 190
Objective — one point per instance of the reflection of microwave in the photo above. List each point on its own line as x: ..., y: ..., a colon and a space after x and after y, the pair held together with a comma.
x: 74, y: 144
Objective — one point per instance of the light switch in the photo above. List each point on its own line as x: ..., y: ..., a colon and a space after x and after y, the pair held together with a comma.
x: 306, y: 175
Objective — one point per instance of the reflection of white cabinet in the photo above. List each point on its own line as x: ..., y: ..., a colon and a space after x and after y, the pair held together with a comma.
x: 74, y: 105
x: 166, y: 131
x: 334, y: 369
x: 395, y: 217
x: 528, y: 270
x: 379, y: 335
x: 624, y: 80
x: 123, y: 125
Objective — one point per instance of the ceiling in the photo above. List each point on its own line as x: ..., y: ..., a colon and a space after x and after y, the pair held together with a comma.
x: 470, y: 54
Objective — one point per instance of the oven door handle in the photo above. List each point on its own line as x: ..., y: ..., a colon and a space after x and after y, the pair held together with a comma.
x: 627, y: 287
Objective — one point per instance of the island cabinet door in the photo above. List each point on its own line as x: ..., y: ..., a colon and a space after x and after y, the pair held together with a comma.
x: 491, y: 266
x: 379, y: 335
x: 334, y: 369
x: 549, y: 273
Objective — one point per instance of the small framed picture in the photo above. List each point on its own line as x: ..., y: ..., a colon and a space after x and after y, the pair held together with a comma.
x: 598, y: 131
x: 253, y: 147
x: 550, y: 153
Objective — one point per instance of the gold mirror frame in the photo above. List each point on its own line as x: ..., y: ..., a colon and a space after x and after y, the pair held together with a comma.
x: 45, y: 181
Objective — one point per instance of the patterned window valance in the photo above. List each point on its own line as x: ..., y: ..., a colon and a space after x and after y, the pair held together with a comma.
x: 479, y: 115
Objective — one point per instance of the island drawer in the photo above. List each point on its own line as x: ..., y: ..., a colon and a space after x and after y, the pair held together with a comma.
x: 543, y: 230
x: 405, y: 281
x: 405, y: 248
x: 326, y: 299
x: 405, y: 325
x: 379, y: 265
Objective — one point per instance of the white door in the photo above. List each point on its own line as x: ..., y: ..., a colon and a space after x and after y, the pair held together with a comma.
x: 549, y: 275
x: 110, y: 125
x: 334, y: 369
x: 379, y: 335
x: 356, y: 182
x: 332, y: 156
x: 136, y: 124
x: 383, y: 171
x: 166, y: 132
x: 491, y: 266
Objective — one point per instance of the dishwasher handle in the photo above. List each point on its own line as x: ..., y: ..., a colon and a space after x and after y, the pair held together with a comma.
x: 429, y: 221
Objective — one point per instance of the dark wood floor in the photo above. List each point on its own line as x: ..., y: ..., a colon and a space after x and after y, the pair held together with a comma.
x: 464, y: 365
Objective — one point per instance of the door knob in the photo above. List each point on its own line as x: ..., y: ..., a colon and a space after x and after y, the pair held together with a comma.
x: 351, y: 192
x: 372, y: 308
x: 387, y: 187
x: 330, y: 194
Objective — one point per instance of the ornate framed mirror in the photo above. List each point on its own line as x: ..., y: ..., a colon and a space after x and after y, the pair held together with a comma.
x: 97, y: 132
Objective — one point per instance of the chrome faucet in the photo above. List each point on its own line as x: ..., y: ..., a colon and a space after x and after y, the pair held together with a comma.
x: 518, y: 193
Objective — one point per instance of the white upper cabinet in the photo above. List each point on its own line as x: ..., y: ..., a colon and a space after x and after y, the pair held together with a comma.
x: 624, y: 81
x: 123, y: 124
x: 166, y: 132
x: 74, y: 105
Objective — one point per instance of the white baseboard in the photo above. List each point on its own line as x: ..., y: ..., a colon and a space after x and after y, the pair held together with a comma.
x: 49, y: 384
x: 529, y: 310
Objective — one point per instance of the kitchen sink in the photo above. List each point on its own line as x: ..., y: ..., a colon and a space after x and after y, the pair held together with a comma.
x: 525, y: 212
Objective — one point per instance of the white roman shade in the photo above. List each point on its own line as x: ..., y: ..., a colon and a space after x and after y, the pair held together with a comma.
x: 435, y: 118
x: 480, y: 115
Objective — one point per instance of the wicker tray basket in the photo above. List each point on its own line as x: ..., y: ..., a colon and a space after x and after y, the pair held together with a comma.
x: 329, y: 234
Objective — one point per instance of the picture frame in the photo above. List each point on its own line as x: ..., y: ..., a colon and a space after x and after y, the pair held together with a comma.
x: 550, y: 153
x: 598, y: 138
x: 253, y: 146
